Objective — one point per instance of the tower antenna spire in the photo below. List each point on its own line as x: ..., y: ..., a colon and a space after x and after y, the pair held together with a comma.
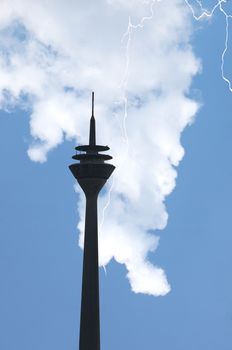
x: 92, y: 130
x: 92, y: 104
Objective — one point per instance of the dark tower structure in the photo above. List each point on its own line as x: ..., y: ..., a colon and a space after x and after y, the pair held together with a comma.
x: 91, y: 173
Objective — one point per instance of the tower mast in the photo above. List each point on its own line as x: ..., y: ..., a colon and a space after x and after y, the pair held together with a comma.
x: 91, y: 173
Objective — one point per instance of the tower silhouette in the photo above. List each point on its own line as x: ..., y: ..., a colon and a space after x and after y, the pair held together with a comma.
x: 91, y: 173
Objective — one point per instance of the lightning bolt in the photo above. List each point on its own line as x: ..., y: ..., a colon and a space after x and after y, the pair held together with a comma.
x: 206, y: 13
x: 227, y: 17
x: 123, y: 86
x: 127, y: 36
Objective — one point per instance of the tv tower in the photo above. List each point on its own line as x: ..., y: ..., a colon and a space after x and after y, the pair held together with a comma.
x: 91, y: 173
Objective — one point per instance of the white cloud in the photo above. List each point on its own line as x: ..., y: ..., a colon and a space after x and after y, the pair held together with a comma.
x: 56, y: 52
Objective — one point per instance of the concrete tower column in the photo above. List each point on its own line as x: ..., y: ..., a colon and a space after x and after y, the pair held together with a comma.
x: 91, y: 173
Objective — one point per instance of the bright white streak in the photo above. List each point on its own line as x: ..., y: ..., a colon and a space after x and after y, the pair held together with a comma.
x: 128, y: 34
x: 207, y: 13
x: 123, y: 86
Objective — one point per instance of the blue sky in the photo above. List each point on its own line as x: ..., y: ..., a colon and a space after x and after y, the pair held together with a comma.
x: 41, y: 262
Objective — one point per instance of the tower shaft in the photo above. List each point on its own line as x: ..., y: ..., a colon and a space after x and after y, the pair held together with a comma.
x: 90, y: 318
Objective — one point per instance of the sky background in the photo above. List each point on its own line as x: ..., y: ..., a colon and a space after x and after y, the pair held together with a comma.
x: 41, y: 262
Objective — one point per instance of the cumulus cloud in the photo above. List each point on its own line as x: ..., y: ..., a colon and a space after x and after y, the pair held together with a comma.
x: 137, y: 57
